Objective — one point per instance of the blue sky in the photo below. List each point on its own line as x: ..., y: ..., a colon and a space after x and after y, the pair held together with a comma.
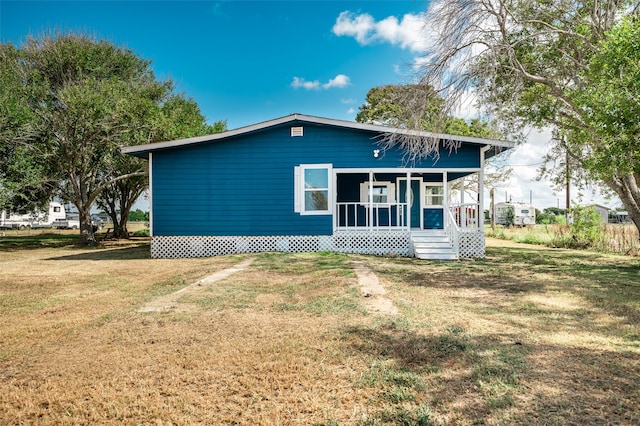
x: 251, y: 61
x: 247, y: 61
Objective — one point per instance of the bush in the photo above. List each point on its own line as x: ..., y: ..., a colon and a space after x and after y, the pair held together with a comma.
x: 584, y: 232
x: 141, y: 233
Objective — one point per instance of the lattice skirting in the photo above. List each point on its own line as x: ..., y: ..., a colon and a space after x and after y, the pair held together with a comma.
x: 471, y: 244
x: 345, y: 242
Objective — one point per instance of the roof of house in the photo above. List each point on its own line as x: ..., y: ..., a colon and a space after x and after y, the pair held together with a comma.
x: 143, y: 150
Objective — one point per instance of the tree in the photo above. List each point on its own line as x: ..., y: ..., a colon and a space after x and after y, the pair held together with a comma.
x: 77, y: 101
x: 19, y: 172
x: 419, y: 106
x: 567, y: 65
x: 176, y: 118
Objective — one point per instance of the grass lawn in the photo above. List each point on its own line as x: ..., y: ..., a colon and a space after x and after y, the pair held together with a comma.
x: 528, y: 335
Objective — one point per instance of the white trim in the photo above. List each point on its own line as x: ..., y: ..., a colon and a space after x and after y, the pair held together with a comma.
x: 433, y: 185
x: 302, y: 190
x: 151, y: 194
x: 315, y: 120
x: 365, y: 195
x: 297, y: 205
x: 405, y: 170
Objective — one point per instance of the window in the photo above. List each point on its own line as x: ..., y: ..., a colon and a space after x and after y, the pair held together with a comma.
x: 382, y: 192
x: 56, y: 209
x: 313, y: 189
x: 433, y: 195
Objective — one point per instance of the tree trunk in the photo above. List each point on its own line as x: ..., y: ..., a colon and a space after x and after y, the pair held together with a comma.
x: 627, y: 190
x: 87, y: 235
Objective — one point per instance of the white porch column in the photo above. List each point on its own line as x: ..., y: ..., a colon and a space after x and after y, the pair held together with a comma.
x: 445, y: 195
x: 463, y: 209
x: 151, y: 194
x: 483, y: 152
x: 481, y: 198
x: 370, y: 200
x: 408, y: 200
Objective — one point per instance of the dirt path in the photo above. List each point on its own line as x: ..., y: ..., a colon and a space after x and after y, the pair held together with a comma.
x: 372, y: 291
x: 169, y: 301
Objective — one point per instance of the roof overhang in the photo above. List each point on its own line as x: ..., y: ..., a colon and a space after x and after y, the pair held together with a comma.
x: 144, y: 150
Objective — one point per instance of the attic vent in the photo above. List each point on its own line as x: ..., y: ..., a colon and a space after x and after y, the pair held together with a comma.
x: 297, y: 131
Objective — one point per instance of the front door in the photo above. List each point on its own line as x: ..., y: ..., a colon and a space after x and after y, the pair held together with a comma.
x: 415, y: 197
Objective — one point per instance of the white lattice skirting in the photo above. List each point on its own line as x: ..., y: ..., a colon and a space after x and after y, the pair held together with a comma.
x: 380, y: 243
x: 471, y: 244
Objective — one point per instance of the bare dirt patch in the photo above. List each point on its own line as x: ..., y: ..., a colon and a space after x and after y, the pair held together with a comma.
x: 374, y: 294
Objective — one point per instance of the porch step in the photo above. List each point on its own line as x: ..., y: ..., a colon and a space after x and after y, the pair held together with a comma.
x: 433, y: 245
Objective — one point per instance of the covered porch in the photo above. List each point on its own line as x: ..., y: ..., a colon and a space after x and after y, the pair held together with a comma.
x: 431, y: 214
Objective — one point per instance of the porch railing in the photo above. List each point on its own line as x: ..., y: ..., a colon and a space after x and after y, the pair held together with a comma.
x: 466, y: 215
x: 453, y: 231
x: 372, y: 216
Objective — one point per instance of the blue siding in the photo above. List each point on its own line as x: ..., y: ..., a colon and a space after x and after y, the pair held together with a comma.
x: 245, y: 185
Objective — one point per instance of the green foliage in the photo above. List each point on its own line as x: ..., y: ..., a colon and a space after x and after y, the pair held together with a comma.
x: 586, y: 228
x: 138, y: 216
x: 392, y: 105
x: 141, y: 233
x: 510, y: 216
x: 396, y: 106
x: 68, y: 104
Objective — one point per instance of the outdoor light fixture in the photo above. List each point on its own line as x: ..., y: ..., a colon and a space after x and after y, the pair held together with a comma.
x: 376, y: 152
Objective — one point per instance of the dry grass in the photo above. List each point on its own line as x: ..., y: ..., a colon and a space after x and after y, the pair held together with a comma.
x: 527, y: 336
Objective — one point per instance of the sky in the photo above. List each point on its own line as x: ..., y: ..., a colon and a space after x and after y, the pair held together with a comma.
x: 246, y: 62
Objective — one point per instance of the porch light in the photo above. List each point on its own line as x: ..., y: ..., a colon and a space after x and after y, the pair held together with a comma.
x: 376, y: 152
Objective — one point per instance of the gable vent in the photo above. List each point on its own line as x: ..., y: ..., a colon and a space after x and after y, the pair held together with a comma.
x: 297, y: 131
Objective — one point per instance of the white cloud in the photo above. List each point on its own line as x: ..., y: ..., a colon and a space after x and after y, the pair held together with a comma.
x: 351, y: 111
x: 298, y: 83
x: 409, y: 33
x: 339, y: 81
x: 348, y: 101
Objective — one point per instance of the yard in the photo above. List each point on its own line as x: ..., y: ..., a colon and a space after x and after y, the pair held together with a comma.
x: 528, y: 335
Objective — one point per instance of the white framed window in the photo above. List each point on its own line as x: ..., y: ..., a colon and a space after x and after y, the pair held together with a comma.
x: 433, y: 194
x: 313, y: 189
x: 382, y: 192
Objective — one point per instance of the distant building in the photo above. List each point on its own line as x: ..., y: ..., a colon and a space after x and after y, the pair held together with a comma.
x: 603, y: 212
x: 523, y: 214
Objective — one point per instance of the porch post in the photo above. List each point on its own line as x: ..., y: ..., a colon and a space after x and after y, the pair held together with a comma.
x: 481, y: 199
x: 445, y: 195
x: 371, y: 200
x: 408, y: 200
x: 463, y: 209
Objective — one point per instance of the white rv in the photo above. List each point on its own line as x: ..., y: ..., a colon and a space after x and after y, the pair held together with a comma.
x: 35, y: 219
x: 523, y: 214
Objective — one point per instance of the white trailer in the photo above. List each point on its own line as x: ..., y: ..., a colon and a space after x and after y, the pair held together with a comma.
x: 35, y: 219
x: 522, y: 213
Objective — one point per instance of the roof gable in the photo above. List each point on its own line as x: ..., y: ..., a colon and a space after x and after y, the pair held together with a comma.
x: 144, y: 150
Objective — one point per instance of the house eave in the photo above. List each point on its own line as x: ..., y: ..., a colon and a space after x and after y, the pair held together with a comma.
x: 143, y: 150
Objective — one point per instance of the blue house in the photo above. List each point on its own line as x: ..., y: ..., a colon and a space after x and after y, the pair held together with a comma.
x: 303, y: 183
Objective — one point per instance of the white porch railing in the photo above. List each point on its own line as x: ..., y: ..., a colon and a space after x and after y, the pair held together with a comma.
x: 453, y: 231
x: 466, y: 215
x: 371, y: 216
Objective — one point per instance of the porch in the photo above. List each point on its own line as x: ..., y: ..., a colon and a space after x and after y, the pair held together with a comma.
x: 429, y: 215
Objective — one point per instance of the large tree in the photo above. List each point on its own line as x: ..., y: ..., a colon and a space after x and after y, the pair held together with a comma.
x: 84, y: 99
x: 419, y: 106
x: 177, y: 117
x: 568, y: 65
